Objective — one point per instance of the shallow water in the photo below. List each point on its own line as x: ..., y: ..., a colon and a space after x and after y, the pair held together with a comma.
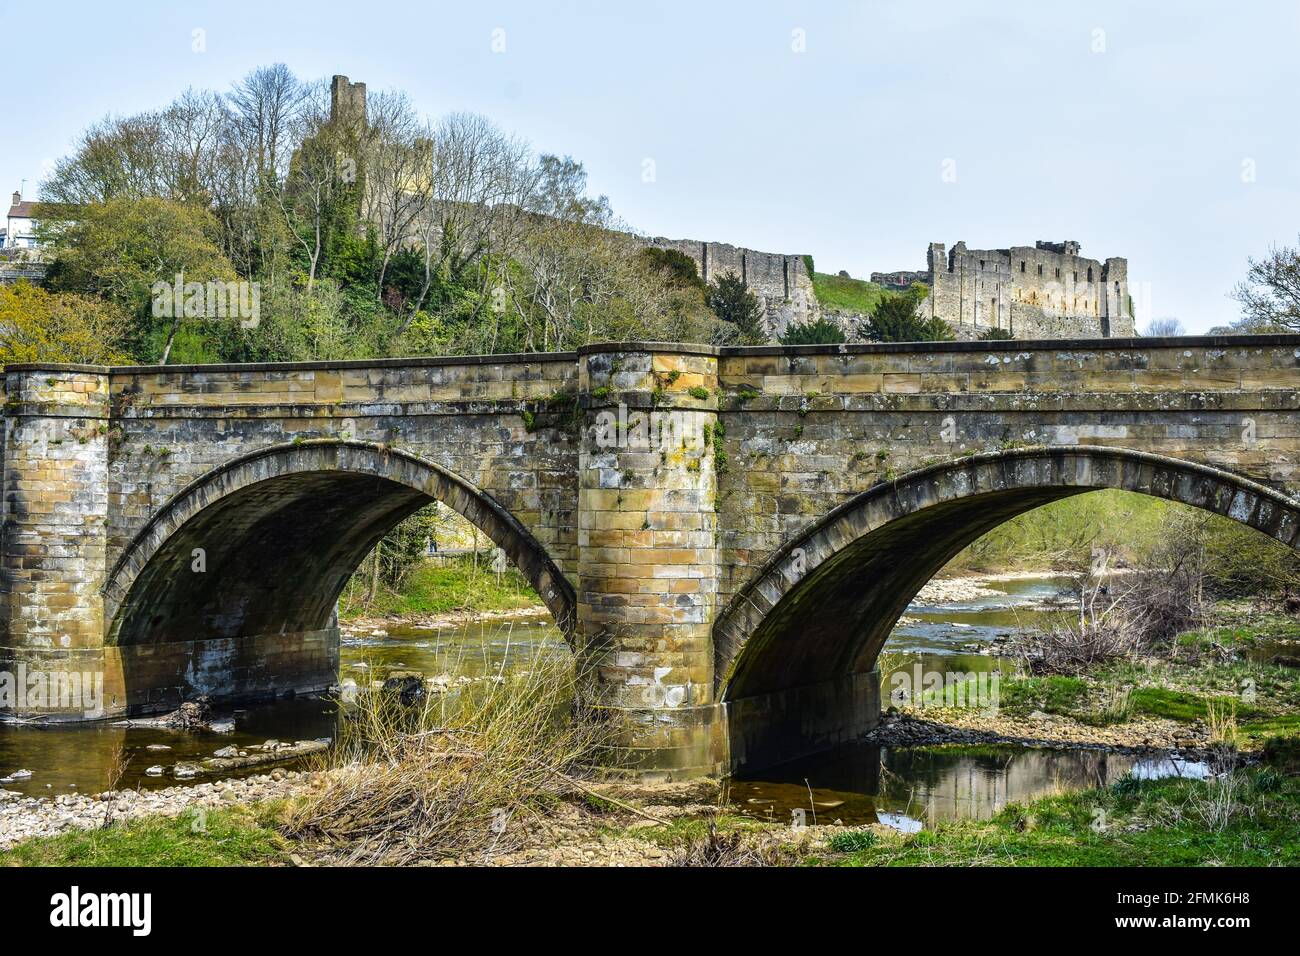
x: 912, y: 787
x: 860, y: 783
x: 85, y: 757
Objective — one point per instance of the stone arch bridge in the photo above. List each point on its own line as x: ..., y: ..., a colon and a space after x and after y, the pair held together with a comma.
x: 725, y: 535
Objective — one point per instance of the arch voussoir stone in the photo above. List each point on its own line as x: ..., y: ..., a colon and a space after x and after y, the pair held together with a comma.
x: 345, y: 458
x: 919, y: 521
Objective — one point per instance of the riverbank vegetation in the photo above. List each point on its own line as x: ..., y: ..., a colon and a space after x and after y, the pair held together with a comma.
x: 464, y: 583
x: 445, y: 774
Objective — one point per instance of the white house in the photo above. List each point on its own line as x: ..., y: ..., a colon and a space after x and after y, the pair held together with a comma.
x: 20, y: 227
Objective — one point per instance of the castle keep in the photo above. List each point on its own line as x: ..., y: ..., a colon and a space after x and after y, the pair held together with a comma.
x: 1047, y: 291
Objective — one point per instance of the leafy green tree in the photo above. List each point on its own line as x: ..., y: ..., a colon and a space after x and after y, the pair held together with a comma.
x: 896, y: 320
x: 120, y: 248
x: 732, y: 302
x: 995, y: 335
x: 820, y: 332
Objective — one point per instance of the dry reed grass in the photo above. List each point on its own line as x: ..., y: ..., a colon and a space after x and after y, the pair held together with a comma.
x: 455, y: 774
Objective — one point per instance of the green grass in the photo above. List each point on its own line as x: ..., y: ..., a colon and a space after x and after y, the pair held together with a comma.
x: 849, y: 295
x: 236, y: 836
x: 1141, y: 823
x: 1052, y: 695
x: 435, y: 589
x: 1184, y: 705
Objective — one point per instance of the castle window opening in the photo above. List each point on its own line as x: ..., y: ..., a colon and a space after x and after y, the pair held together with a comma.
x: 1089, y: 273
x: 1022, y: 265
x: 1040, y: 270
x: 1058, y: 273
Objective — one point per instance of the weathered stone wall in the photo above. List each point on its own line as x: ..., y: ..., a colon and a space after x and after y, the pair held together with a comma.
x: 781, y: 282
x: 808, y: 428
x: 1043, y: 291
x: 644, y: 487
x: 173, y: 425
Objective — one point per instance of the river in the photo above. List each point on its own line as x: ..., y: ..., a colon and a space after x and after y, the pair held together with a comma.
x: 907, y: 787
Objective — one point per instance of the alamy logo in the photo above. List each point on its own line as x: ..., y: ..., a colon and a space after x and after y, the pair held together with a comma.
x: 664, y: 430
x: 74, y: 908
x: 33, y: 691
x: 208, y: 300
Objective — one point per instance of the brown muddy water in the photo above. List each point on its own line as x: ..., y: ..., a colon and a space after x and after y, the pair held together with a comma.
x: 906, y: 787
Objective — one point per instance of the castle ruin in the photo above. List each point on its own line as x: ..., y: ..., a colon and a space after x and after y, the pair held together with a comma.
x: 1045, y: 291
x: 780, y: 282
x: 1041, y: 292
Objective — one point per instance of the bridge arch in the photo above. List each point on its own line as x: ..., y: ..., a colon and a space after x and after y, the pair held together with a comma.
x: 824, y: 604
x: 282, y: 529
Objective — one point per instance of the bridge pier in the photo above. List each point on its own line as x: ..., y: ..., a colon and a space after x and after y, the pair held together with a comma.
x: 53, y: 547
x: 648, y: 559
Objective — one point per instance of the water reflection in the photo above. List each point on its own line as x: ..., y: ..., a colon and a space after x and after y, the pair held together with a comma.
x: 86, y: 757
x: 906, y: 786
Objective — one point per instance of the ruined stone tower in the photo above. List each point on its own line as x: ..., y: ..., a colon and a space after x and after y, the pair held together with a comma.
x: 1048, y: 290
x: 347, y: 101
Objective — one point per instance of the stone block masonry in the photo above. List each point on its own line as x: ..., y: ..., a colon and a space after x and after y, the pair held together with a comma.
x: 780, y: 282
x: 726, y: 536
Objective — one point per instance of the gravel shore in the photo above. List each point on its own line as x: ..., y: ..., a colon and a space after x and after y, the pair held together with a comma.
x: 24, y: 817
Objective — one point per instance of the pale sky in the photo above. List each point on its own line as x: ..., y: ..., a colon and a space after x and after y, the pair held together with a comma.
x: 1166, y: 134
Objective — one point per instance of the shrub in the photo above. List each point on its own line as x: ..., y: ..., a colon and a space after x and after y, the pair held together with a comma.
x: 896, y: 320
x: 455, y: 773
x: 820, y: 332
x: 678, y: 266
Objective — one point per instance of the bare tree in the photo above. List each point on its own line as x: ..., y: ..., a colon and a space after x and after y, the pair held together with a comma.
x: 480, y: 183
x: 1270, y: 294
x: 267, y: 105
x: 116, y: 158
x: 1158, y: 328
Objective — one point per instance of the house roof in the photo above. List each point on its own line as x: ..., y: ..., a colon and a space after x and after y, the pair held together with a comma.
x: 23, y: 210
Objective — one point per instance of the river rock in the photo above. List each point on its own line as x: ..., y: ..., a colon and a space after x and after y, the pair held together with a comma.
x: 231, y: 751
x: 154, y: 771
x: 273, y: 751
x: 408, y: 687
x: 16, y: 775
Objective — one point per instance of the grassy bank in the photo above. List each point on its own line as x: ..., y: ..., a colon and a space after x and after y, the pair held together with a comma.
x: 848, y: 295
x: 237, y: 836
x: 433, y: 588
x: 1207, y: 678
